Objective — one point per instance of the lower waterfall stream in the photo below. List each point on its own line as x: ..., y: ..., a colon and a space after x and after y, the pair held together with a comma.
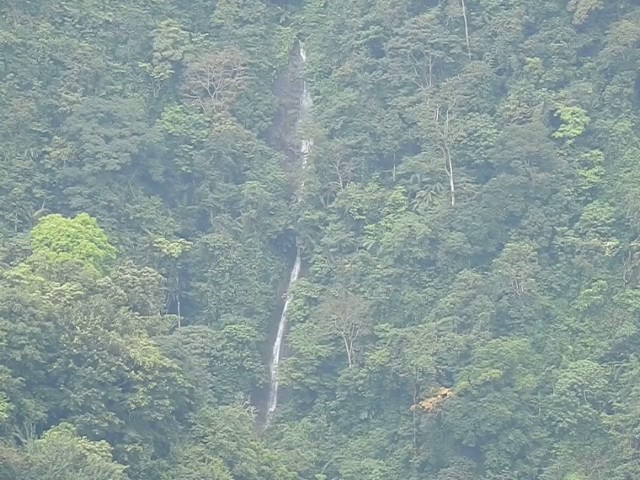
x: 305, y: 103
x: 277, y: 344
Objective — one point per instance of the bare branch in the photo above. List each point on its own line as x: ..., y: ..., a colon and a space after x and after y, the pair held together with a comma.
x: 348, y: 314
x: 214, y: 80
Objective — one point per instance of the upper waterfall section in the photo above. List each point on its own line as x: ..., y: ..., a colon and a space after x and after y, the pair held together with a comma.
x: 294, y: 102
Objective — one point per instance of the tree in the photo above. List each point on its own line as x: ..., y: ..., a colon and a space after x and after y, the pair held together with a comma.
x: 170, y: 43
x: 79, y: 240
x: 171, y: 255
x: 348, y: 315
x: 61, y: 453
x: 213, y: 80
x: 225, y: 446
x: 511, y: 316
x: 224, y: 363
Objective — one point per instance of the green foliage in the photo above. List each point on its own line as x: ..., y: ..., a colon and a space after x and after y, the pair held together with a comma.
x: 80, y: 239
x: 574, y: 121
x: 170, y: 42
x: 61, y: 453
x: 467, y: 218
x: 225, y: 446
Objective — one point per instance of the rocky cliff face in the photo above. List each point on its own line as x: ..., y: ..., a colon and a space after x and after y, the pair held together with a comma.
x: 289, y: 89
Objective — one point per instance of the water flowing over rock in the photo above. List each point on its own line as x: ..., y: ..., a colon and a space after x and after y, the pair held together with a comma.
x: 277, y: 344
x: 306, y: 145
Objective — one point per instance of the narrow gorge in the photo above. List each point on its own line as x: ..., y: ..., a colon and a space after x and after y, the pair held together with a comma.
x: 289, y: 139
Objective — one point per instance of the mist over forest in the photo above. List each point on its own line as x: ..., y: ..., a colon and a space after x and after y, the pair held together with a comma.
x: 319, y: 240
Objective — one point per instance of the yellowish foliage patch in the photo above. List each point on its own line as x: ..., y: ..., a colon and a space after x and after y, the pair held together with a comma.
x: 434, y: 402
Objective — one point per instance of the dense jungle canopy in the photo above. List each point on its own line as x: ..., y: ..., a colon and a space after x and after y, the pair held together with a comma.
x: 469, y: 302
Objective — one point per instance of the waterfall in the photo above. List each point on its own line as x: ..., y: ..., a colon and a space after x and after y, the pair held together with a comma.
x: 305, y: 150
x: 305, y: 105
x: 277, y: 344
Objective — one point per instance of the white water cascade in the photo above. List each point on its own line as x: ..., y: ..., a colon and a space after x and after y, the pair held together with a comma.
x: 305, y: 105
x: 277, y: 344
x: 305, y: 151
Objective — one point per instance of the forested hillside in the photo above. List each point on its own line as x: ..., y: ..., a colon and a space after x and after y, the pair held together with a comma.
x: 469, y: 227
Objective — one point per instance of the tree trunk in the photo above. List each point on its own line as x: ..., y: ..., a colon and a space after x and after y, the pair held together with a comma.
x: 452, y: 186
x: 449, y: 162
x: 348, y: 349
x: 466, y: 27
x: 178, y: 302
